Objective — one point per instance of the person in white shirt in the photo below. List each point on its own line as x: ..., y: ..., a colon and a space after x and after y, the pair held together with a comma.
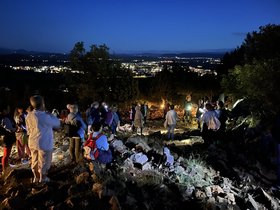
x: 171, y: 121
x: 40, y: 125
x: 208, y: 133
x: 206, y: 117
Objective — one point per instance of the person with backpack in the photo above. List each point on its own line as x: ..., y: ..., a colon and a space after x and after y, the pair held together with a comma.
x: 39, y: 126
x: 97, y: 146
x: 210, y: 124
x: 75, y: 127
x: 7, y: 134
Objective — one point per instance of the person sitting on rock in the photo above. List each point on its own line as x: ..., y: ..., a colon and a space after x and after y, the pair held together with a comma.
x: 104, y: 152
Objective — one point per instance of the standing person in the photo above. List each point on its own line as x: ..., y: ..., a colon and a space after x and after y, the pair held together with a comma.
x: 222, y: 115
x: 166, y: 108
x: 40, y: 125
x: 171, y: 121
x: 94, y: 115
x: 103, y: 113
x: 115, y: 120
x: 88, y: 118
x: 210, y: 124
x: 132, y: 116
x: 138, y: 120
x: 7, y: 134
x: 188, y: 109
x: 144, y: 110
x: 76, y: 133
x: 21, y: 135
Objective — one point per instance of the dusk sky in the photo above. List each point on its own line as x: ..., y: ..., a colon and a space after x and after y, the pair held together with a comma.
x: 132, y: 25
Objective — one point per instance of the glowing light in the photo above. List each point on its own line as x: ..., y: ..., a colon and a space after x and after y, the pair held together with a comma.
x: 201, y: 110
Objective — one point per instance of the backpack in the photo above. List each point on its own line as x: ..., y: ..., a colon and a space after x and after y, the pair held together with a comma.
x: 90, y: 150
x: 214, y: 123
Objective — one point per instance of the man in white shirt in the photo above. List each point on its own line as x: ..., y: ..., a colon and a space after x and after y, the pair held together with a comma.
x: 40, y: 127
x: 171, y: 121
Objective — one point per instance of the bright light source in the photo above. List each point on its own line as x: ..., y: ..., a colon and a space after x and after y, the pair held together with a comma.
x: 201, y: 110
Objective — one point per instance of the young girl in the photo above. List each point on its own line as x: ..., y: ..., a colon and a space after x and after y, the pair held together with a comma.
x: 7, y: 133
x: 21, y: 135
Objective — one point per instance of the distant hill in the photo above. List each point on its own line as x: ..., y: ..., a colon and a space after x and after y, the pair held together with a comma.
x: 9, y: 56
x: 6, y: 51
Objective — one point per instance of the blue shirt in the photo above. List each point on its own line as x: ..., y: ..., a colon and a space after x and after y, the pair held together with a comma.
x: 101, y: 142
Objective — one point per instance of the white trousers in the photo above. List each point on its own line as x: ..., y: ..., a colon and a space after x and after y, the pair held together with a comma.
x: 40, y: 163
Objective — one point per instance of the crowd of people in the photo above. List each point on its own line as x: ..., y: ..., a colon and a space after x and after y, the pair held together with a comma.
x: 32, y: 130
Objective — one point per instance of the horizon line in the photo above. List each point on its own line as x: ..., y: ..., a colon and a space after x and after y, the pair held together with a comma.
x: 220, y: 50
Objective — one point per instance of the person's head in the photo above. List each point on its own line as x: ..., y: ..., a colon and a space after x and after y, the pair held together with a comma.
x: 29, y: 109
x: 220, y: 104
x: 37, y: 102
x: 208, y: 106
x: 95, y: 105
x: 137, y: 108
x: 139, y: 148
x: 20, y: 110
x: 73, y: 108
x: 96, y: 126
x: 115, y: 109
x: 171, y: 107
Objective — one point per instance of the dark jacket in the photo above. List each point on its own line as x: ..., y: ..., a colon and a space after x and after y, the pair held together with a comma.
x: 7, y: 131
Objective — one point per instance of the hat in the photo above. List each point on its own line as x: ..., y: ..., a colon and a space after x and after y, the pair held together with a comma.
x: 95, y: 103
x: 139, y: 147
x: 72, y: 108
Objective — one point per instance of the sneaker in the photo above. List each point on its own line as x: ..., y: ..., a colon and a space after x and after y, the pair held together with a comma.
x: 12, y: 165
x: 45, y: 180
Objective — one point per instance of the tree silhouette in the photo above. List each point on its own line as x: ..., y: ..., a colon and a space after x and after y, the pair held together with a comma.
x: 100, y: 77
x: 254, y: 68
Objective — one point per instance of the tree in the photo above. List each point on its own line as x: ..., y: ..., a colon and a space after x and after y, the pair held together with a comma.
x: 253, y: 68
x: 100, y: 77
x: 257, y: 81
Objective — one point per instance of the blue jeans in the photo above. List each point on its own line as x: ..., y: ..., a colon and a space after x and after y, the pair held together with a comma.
x: 170, y: 131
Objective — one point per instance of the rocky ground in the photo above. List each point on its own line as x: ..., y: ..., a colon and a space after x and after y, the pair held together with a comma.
x: 224, y: 175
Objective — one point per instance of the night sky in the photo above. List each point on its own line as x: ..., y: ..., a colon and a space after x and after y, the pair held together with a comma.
x: 132, y: 25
